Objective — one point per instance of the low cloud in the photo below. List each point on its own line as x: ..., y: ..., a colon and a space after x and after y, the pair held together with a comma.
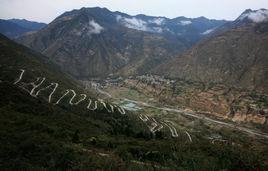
x: 184, y: 23
x: 95, y: 27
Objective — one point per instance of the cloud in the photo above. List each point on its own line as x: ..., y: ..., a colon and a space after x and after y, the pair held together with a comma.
x: 158, y: 21
x: 88, y: 29
x: 258, y: 16
x: 208, y: 31
x: 135, y: 23
x: 138, y: 24
x: 95, y: 27
x: 184, y: 23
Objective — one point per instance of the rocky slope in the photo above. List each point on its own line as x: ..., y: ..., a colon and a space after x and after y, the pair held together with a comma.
x: 93, y: 42
x: 236, y: 55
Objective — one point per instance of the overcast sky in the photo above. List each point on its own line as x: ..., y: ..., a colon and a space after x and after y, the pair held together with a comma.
x: 47, y: 10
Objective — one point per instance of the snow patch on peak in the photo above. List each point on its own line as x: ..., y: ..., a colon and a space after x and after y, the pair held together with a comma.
x: 185, y: 22
x: 255, y: 16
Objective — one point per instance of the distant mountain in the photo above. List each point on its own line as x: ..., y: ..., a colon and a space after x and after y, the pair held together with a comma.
x: 31, y: 25
x: 236, y: 55
x: 14, y: 28
x: 93, y: 42
x: 11, y: 29
x: 190, y: 30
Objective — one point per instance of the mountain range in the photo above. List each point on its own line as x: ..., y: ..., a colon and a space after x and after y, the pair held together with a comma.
x: 94, y: 42
x: 236, y: 55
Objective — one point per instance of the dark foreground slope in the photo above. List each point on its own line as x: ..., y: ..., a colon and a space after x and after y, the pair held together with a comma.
x: 38, y: 135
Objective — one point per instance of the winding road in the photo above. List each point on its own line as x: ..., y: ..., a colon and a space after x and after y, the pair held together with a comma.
x: 196, y: 116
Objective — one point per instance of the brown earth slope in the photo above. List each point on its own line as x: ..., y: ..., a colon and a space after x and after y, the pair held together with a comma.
x: 236, y: 57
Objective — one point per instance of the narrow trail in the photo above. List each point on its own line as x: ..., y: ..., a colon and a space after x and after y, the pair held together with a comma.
x: 144, y: 118
x: 20, y: 77
x: 84, y: 96
x: 105, y: 106
x: 156, y: 127
x: 189, y: 136
x: 47, y: 87
x: 153, y: 126
x: 172, y: 130
x: 89, y: 104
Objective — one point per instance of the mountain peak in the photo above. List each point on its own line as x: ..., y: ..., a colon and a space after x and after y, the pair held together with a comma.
x: 256, y: 16
x: 94, y: 8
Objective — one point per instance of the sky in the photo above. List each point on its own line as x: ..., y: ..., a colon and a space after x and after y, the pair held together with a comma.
x: 47, y: 10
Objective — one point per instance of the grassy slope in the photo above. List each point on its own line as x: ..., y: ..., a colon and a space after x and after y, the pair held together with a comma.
x: 37, y: 135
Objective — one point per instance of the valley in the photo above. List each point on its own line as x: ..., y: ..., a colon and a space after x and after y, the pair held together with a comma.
x: 97, y: 89
x: 143, y: 96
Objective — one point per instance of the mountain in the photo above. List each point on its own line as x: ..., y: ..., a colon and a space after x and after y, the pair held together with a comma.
x: 235, y: 56
x: 11, y: 29
x: 14, y: 28
x: 253, y: 16
x: 44, y: 127
x: 31, y: 25
x: 190, y: 30
x: 94, y: 42
x: 41, y: 124
x: 246, y: 18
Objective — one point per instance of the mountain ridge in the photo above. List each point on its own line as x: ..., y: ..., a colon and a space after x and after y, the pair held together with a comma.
x: 233, y: 55
x: 31, y: 25
x: 14, y: 28
x: 95, y: 42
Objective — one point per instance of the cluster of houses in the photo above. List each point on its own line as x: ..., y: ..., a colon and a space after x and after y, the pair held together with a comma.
x: 154, y: 80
